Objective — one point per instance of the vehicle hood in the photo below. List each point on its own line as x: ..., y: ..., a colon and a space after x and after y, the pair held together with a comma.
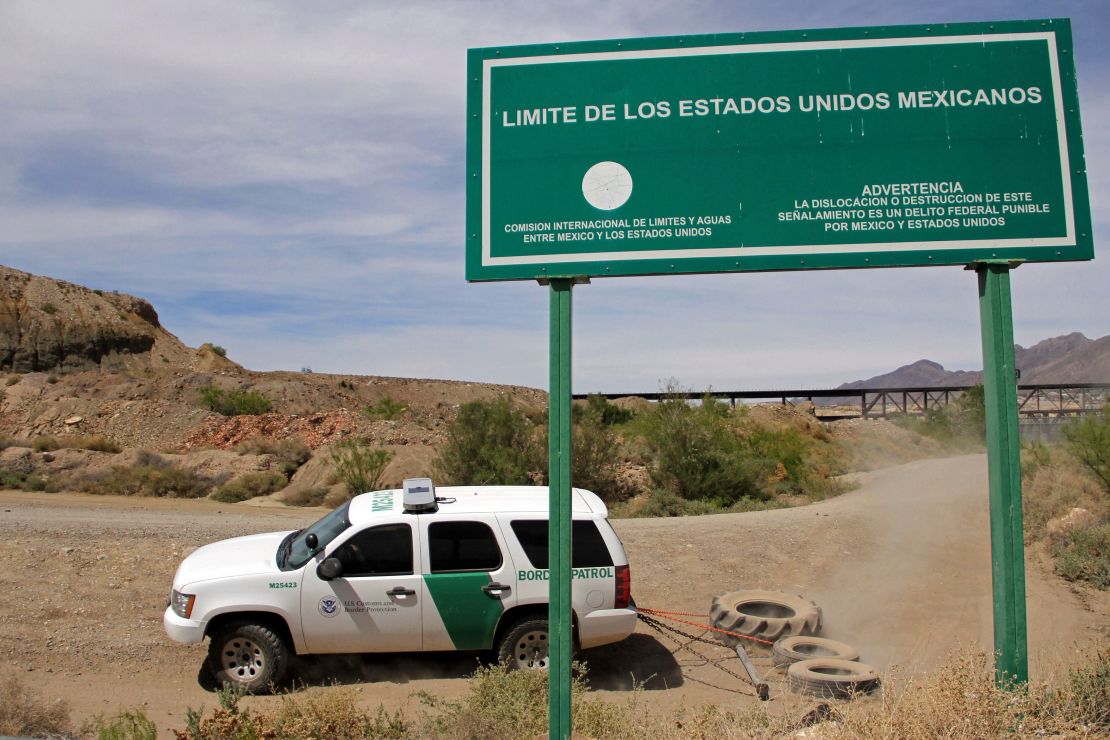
x: 239, y: 556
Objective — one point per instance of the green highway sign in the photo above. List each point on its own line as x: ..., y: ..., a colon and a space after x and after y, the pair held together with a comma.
x: 841, y: 148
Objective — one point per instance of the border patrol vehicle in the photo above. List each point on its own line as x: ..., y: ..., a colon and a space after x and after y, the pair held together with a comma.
x: 411, y: 569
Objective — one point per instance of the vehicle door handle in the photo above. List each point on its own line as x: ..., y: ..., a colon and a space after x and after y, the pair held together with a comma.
x: 400, y: 591
x: 497, y: 590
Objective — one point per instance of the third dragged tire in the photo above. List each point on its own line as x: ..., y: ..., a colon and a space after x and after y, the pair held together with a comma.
x: 830, y: 678
x: 804, y: 647
x: 767, y: 615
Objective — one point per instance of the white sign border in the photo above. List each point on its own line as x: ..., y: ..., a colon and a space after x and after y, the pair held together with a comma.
x: 787, y: 250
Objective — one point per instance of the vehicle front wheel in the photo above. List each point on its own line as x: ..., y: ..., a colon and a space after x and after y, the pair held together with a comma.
x: 524, y: 645
x: 249, y: 656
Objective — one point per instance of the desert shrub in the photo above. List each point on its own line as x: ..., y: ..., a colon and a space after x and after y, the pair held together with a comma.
x: 26, y: 482
x: 52, y: 379
x: 45, y: 444
x: 1053, y: 490
x: 959, y: 425
x: 248, y: 486
x: 95, y: 443
x: 385, y: 409
x: 594, y: 459
x: 217, y: 349
x: 49, y: 308
x: 234, y: 402
x: 697, y: 453
x: 24, y: 713
x: 600, y: 409
x: 12, y: 380
x: 491, y: 442
x: 154, y: 478
x: 1083, y: 554
x: 1088, y: 439
x: 291, y: 452
x: 1085, y: 698
x: 311, y: 496
x: 358, y: 466
x: 127, y: 724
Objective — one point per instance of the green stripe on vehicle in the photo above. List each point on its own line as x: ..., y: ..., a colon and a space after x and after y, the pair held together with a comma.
x: 469, y: 614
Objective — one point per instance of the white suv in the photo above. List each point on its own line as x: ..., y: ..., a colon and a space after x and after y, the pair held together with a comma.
x: 396, y: 571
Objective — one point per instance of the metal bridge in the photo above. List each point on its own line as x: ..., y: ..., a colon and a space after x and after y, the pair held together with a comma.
x: 1034, y: 401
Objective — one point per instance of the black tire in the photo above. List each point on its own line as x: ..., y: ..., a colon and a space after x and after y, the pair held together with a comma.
x: 803, y: 647
x: 524, y: 646
x: 767, y: 615
x: 248, y: 656
x: 830, y: 678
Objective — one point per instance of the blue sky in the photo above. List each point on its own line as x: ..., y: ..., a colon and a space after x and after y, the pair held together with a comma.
x: 285, y: 179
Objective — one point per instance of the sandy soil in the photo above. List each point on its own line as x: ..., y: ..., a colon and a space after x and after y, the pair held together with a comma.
x: 900, y: 566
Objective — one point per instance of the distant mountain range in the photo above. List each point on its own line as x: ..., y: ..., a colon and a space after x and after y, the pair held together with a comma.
x: 1072, y: 358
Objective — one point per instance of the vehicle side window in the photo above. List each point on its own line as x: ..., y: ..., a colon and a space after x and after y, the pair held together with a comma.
x: 377, y: 551
x: 590, y: 550
x: 460, y: 546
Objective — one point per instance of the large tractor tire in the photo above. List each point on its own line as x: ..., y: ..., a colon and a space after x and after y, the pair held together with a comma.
x: 765, y: 615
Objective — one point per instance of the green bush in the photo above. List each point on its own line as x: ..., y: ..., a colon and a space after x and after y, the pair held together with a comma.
x: 127, y: 724
x: 12, y: 380
x: 1088, y: 438
x: 386, y: 409
x: 248, y: 486
x: 235, y: 402
x: 491, y: 443
x: 358, y: 466
x: 1084, y: 555
x: 601, y: 410
x: 153, y: 477
x: 49, y: 308
x: 697, y: 452
x: 594, y: 459
x: 219, y: 350
x: 26, y: 482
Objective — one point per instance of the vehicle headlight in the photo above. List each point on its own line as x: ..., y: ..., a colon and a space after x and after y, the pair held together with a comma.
x: 182, y: 604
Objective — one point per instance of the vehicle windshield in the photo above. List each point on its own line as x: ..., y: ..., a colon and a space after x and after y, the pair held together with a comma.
x: 293, y: 552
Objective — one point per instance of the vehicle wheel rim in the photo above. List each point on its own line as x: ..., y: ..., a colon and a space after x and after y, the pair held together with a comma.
x: 242, y: 660
x: 531, y: 650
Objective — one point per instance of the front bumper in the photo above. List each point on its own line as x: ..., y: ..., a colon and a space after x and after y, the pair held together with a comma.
x: 183, y: 630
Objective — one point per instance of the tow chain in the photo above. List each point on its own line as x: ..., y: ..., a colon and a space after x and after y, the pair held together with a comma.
x: 664, y: 628
x: 673, y: 616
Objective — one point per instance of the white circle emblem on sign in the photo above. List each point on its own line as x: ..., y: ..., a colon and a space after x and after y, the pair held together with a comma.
x: 607, y: 185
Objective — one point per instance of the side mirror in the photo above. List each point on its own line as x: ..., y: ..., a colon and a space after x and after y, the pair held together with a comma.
x: 312, y: 541
x: 330, y: 569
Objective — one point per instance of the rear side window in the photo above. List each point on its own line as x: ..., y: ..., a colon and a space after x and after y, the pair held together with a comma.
x: 460, y: 546
x: 378, y: 551
x: 590, y: 550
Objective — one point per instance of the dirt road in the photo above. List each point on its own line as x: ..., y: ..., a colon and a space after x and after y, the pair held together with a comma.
x: 901, y: 567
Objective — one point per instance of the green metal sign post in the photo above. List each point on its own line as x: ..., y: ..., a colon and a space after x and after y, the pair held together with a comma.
x: 559, y: 620
x: 1004, y: 472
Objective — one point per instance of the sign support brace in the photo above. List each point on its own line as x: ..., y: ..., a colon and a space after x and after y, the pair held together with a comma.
x: 1004, y: 471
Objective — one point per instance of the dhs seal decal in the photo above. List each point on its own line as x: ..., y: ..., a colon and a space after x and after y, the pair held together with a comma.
x: 329, y: 606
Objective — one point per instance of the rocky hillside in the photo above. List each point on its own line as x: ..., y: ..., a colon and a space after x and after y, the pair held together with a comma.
x: 77, y: 362
x: 1072, y: 358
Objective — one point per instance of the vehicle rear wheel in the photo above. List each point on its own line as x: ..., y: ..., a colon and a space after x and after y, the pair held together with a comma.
x: 524, y: 645
x: 249, y: 656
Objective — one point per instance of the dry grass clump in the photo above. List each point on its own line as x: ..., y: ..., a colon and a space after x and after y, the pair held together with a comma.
x: 248, y: 486
x: 24, y: 713
x: 310, y: 496
x: 47, y: 443
x: 292, y: 452
x: 152, y: 476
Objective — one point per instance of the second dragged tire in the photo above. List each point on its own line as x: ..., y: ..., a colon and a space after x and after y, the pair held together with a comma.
x: 767, y: 615
x: 804, y: 647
